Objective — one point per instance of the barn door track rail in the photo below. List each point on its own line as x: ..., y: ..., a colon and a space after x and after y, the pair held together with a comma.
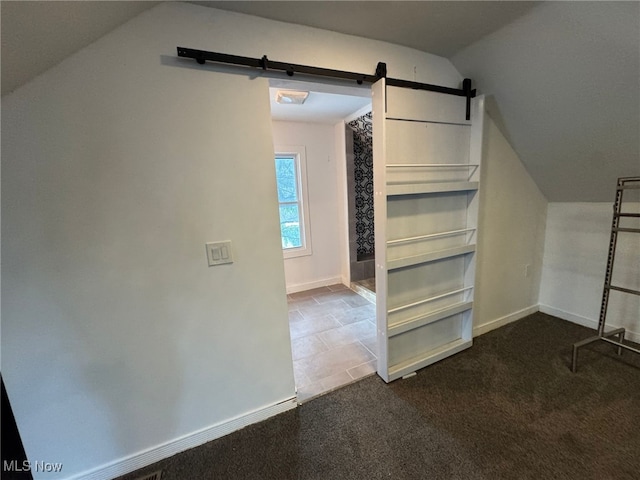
x: 290, y: 69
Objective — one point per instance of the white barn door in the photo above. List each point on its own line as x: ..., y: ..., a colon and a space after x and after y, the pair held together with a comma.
x: 426, y: 176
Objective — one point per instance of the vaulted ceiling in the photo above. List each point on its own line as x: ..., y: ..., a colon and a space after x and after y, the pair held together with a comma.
x: 564, y: 86
x: 441, y: 28
x: 40, y: 34
x: 562, y: 78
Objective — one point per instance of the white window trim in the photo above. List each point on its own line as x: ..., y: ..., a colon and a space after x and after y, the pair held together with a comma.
x: 299, y: 152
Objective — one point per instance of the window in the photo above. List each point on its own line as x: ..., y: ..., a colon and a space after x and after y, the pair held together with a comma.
x: 291, y: 179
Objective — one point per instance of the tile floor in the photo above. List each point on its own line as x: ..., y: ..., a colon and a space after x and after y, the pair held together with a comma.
x: 368, y: 283
x: 333, y: 339
x: 365, y: 288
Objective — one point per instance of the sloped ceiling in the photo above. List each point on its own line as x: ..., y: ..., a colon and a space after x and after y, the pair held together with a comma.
x: 438, y: 27
x: 40, y: 34
x: 562, y: 78
x: 564, y: 86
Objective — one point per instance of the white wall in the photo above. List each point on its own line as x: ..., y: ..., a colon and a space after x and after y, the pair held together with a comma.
x: 340, y: 154
x: 322, y: 267
x: 574, y: 145
x: 116, y: 170
x: 575, y: 261
x: 118, y: 165
x: 511, y: 236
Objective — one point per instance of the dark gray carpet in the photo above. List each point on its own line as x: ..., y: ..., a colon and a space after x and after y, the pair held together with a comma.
x: 507, y: 408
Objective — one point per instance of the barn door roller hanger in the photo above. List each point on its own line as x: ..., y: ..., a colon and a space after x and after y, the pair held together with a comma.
x: 202, y: 56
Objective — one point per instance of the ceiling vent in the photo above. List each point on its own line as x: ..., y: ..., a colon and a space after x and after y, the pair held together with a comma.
x: 291, y: 97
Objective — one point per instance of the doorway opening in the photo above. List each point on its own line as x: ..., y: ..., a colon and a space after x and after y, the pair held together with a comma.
x: 333, y: 327
x: 359, y: 148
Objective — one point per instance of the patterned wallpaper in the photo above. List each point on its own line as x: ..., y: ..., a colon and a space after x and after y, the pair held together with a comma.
x: 363, y: 175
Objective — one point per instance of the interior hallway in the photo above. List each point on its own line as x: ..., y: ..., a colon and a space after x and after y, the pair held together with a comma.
x: 333, y: 339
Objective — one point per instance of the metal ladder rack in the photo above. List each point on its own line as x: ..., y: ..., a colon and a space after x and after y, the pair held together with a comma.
x: 624, y: 183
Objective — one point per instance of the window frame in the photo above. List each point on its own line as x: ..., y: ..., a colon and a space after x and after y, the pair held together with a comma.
x: 298, y: 153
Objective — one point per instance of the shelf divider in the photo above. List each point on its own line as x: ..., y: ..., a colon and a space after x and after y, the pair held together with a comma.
x: 422, y: 320
x: 430, y: 257
x: 435, y: 187
x: 431, y: 165
x: 427, y: 300
x: 429, y: 236
x: 432, y: 356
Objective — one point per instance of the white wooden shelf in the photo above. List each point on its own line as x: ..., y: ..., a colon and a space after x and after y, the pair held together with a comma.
x: 432, y: 165
x: 426, y: 168
x: 436, y: 187
x: 429, y: 173
x: 412, y: 120
x: 430, y: 257
x: 426, y: 359
x: 422, y: 320
x: 428, y: 300
x: 430, y: 236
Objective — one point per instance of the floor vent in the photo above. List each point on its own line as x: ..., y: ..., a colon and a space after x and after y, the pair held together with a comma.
x: 151, y: 476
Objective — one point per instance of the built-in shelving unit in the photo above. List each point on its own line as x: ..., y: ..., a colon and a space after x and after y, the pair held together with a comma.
x: 426, y: 179
x: 435, y: 187
x: 429, y: 257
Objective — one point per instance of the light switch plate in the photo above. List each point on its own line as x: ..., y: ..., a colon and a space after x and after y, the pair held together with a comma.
x: 219, y: 253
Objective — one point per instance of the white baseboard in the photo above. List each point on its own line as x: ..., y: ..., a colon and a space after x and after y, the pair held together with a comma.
x: 325, y: 282
x: 571, y: 317
x: 499, y: 322
x: 155, y: 454
x: 585, y: 322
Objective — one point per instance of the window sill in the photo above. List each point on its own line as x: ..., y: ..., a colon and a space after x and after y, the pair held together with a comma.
x: 296, y: 252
